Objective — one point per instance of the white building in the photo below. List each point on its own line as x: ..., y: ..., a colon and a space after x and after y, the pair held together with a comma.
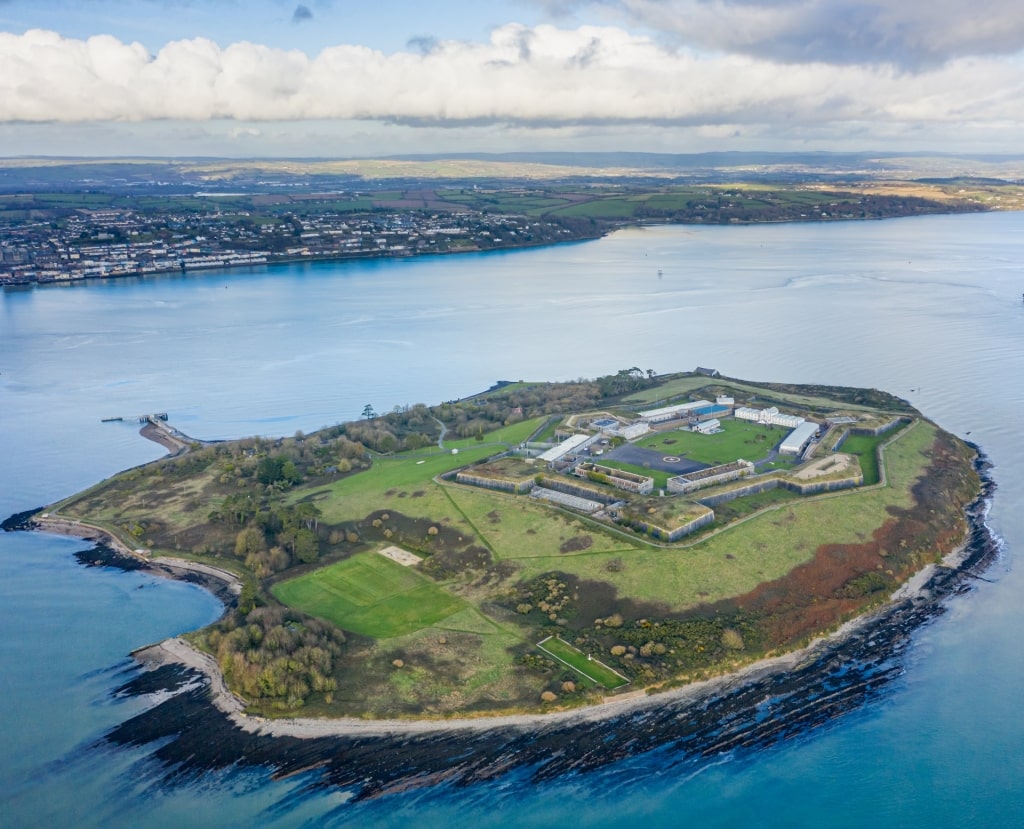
x: 672, y: 412
x: 708, y: 426
x: 770, y: 416
x: 634, y: 430
x: 799, y: 438
x: 722, y: 400
x: 574, y: 443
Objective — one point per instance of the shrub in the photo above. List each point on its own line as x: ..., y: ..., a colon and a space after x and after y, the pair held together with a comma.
x: 732, y: 639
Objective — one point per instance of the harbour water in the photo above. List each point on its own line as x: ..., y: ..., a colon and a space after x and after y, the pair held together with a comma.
x: 929, y: 309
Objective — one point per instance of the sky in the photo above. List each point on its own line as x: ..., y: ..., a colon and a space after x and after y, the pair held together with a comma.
x: 338, y: 78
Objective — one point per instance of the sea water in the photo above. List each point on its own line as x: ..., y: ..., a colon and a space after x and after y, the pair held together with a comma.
x: 928, y: 308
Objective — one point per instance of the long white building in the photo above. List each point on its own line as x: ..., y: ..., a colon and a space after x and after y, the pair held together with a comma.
x: 799, y: 438
x: 672, y: 412
x: 770, y: 416
x: 574, y: 443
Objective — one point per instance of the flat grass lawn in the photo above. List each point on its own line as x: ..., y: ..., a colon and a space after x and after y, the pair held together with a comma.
x: 371, y: 595
x: 356, y: 496
x: 738, y: 439
x: 405, y: 475
x: 865, y: 447
x: 592, y: 669
x: 518, y: 527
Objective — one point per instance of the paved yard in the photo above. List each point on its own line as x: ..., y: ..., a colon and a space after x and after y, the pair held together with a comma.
x: 655, y: 460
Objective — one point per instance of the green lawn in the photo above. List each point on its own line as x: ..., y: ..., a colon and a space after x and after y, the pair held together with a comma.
x: 514, y: 435
x: 516, y: 527
x: 866, y: 448
x: 738, y: 439
x: 613, y: 208
x: 357, y: 495
x: 592, y: 669
x: 371, y: 595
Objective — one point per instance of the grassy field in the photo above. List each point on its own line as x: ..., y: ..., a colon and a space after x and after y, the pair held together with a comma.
x: 357, y: 495
x: 371, y: 595
x: 738, y: 439
x: 516, y: 527
x: 866, y: 449
x: 763, y: 548
x: 404, y: 482
x: 684, y: 385
x: 612, y: 208
x: 512, y: 435
x: 592, y: 669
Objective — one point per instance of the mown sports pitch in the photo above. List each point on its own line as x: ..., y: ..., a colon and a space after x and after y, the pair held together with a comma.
x: 371, y: 595
x: 592, y: 669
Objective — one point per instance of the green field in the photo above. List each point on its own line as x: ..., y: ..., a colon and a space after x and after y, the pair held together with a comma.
x: 865, y: 447
x: 738, y: 439
x: 592, y: 669
x: 614, y: 208
x: 371, y: 595
x: 515, y: 527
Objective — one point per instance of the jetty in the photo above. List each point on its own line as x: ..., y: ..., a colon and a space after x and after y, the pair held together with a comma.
x: 143, y: 418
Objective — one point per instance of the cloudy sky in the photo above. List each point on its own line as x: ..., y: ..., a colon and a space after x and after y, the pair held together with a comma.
x: 344, y: 78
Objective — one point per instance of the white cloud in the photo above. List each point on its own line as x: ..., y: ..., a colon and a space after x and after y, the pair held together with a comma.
x: 541, y: 76
x: 908, y: 33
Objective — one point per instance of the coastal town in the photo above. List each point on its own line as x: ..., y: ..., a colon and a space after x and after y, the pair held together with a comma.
x: 89, y: 219
x: 113, y: 242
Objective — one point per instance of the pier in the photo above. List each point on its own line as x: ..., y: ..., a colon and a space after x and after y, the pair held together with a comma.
x: 156, y: 428
x: 143, y: 418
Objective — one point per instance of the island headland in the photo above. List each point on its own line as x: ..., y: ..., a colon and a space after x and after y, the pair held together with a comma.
x: 540, y: 563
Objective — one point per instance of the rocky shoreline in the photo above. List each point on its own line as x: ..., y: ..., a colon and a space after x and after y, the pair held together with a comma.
x: 108, y: 551
x: 765, y: 704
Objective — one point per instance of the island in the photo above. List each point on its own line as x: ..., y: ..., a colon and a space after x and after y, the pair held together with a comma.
x: 537, y: 550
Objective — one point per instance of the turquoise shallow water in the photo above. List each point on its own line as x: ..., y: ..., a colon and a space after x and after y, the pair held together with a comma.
x: 929, y: 309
